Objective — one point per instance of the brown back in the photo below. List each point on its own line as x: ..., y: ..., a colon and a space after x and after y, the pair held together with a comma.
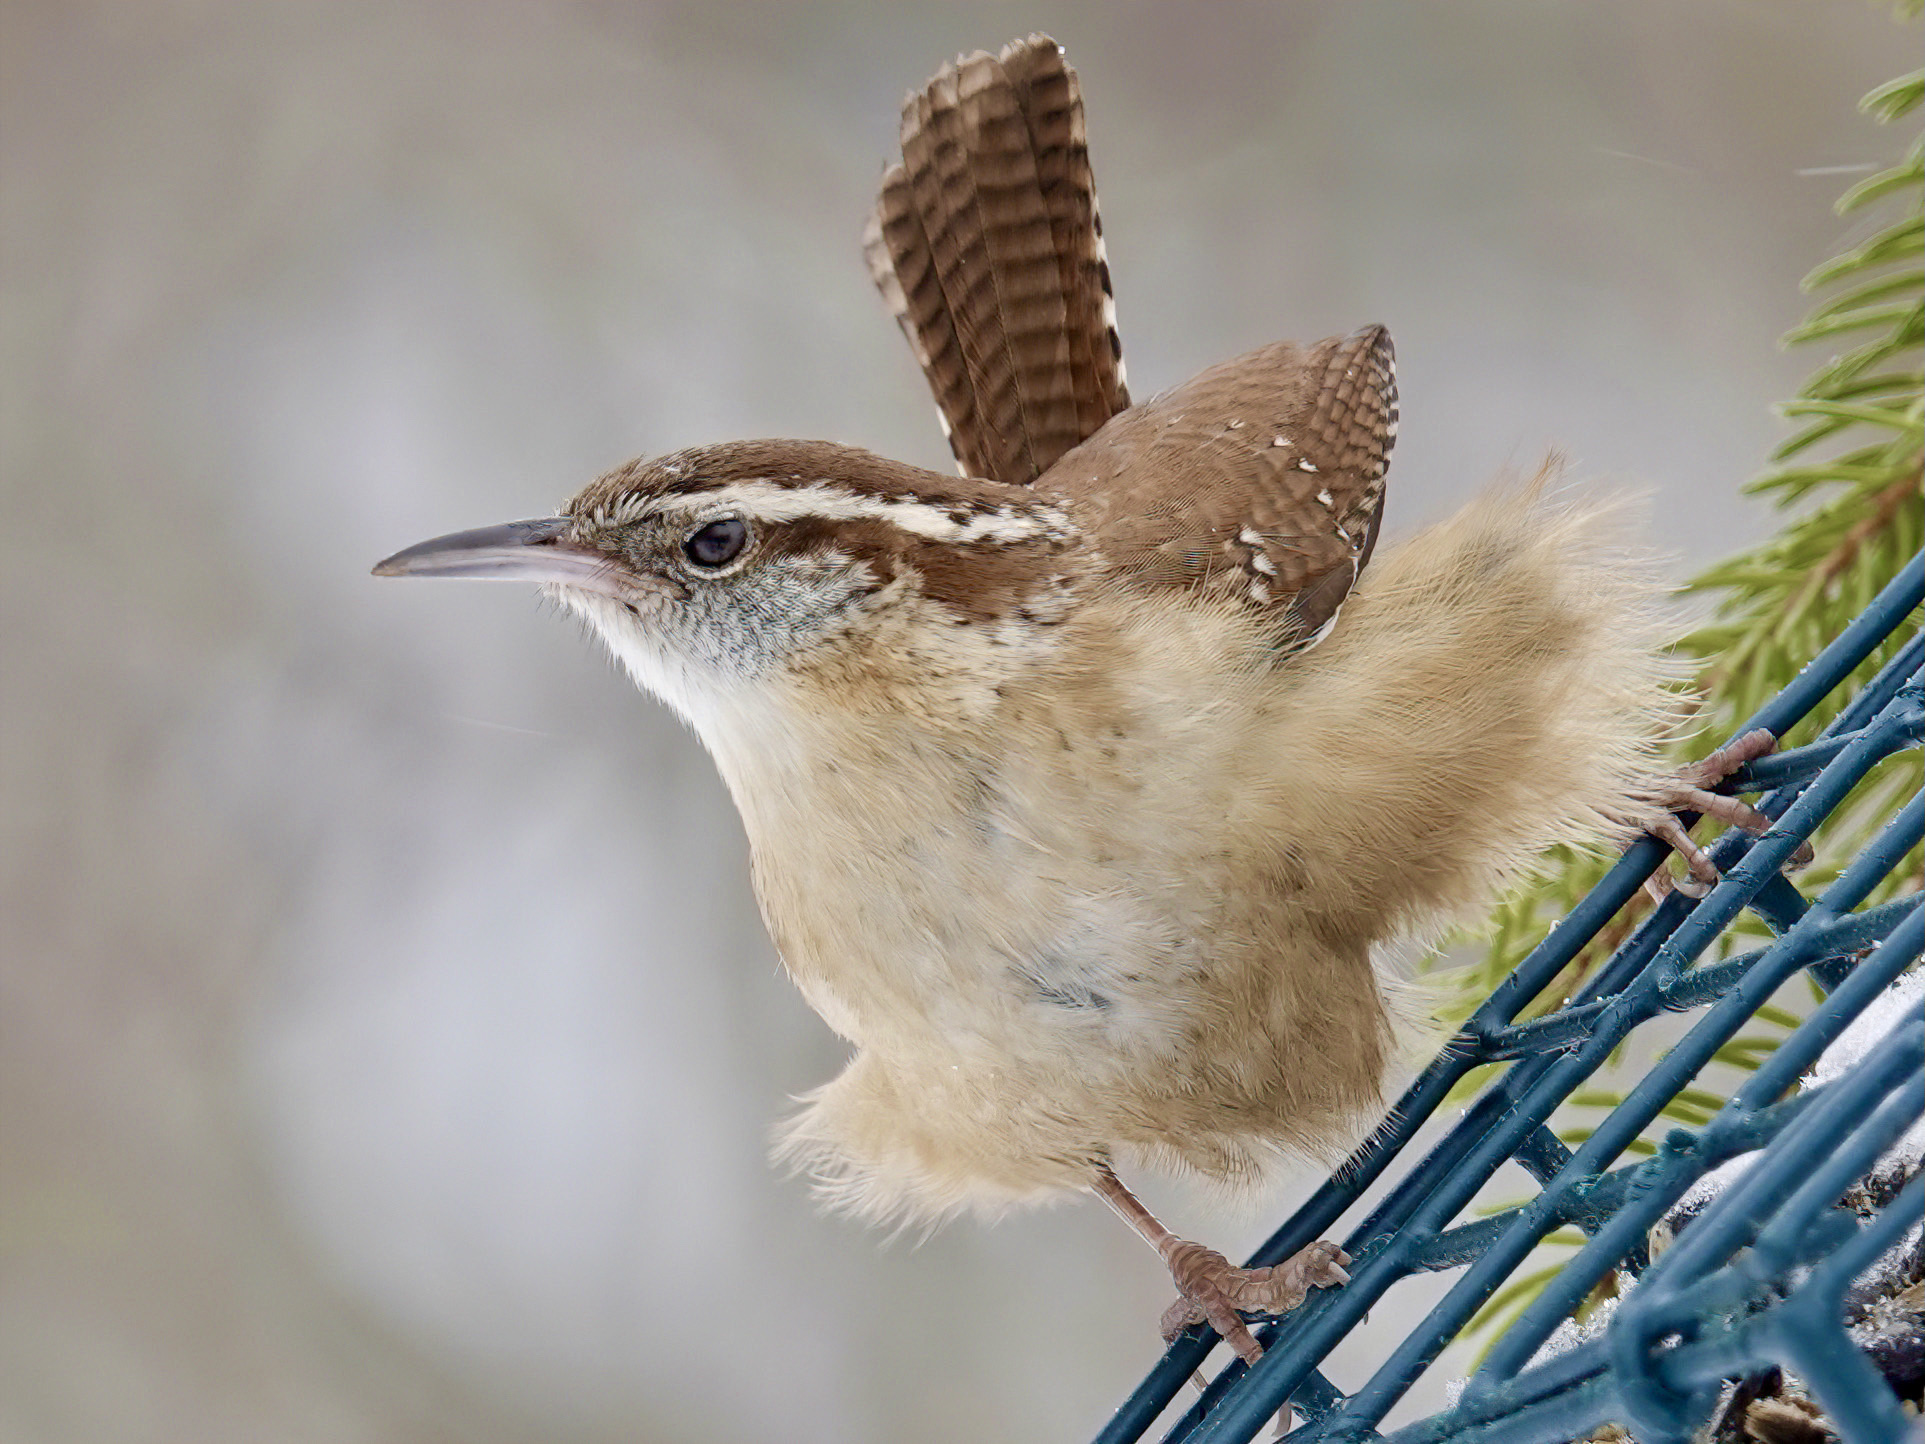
x: 987, y: 247
x: 1263, y: 476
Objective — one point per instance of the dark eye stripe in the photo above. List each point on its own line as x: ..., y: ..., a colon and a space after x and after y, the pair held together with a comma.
x: 718, y: 543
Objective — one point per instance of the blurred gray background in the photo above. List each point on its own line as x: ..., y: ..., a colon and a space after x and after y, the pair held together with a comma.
x: 387, y: 1038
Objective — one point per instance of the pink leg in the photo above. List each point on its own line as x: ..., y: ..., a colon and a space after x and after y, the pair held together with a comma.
x: 1212, y: 1288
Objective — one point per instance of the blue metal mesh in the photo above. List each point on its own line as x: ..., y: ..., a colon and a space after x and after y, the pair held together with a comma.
x: 1759, y: 1277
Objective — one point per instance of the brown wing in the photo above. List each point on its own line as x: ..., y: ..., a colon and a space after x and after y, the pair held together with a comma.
x: 987, y: 247
x: 1263, y: 477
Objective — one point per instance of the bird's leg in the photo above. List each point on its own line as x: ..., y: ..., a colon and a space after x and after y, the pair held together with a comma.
x: 1212, y: 1288
x: 1688, y: 790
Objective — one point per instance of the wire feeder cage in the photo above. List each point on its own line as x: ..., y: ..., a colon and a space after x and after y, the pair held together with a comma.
x: 1759, y: 1279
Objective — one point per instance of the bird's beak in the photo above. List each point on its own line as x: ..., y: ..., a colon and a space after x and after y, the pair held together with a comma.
x: 519, y: 551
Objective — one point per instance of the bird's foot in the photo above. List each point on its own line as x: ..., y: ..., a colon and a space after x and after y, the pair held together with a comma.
x: 1214, y: 1290
x: 1688, y: 790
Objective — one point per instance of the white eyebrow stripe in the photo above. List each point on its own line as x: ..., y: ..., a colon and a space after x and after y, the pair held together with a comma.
x: 770, y: 502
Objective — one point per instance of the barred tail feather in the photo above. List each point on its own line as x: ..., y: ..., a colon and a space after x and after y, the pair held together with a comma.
x: 987, y: 248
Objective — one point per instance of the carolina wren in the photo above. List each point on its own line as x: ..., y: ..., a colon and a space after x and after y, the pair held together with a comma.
x: 1082, y: 787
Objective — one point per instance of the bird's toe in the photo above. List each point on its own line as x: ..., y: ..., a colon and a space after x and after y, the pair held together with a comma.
x: 1688, y: 790
x: 1216, y: 1292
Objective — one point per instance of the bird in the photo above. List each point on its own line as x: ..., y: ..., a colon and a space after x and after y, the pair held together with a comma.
x: 1090, y: 791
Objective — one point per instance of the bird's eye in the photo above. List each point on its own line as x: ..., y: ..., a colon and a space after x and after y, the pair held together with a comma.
x: 718, y: 543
